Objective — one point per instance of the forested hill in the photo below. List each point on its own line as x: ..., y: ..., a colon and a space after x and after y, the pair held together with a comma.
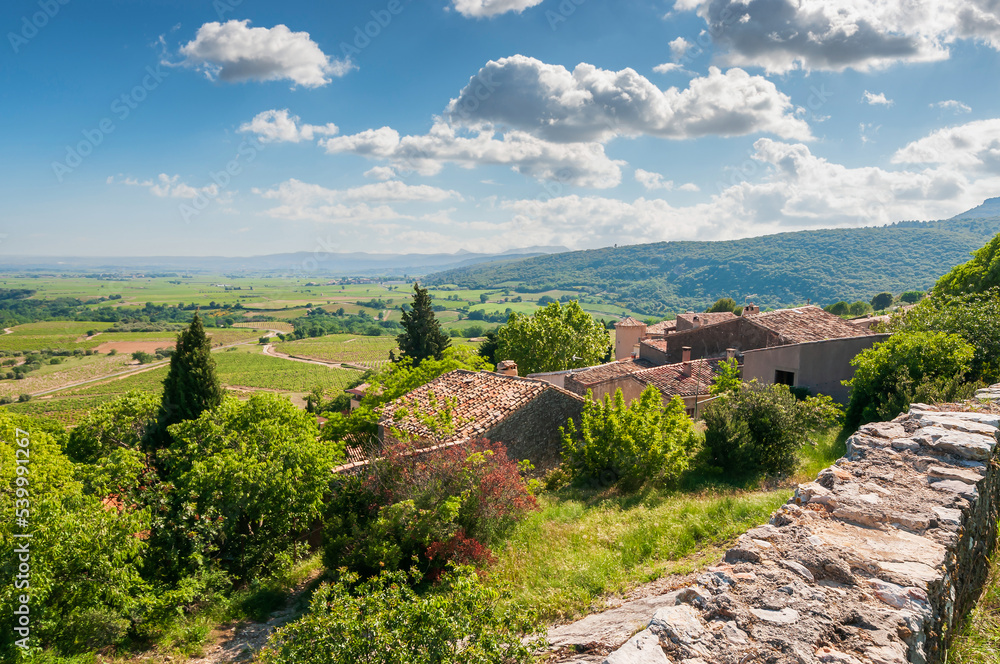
x: 786, y: 269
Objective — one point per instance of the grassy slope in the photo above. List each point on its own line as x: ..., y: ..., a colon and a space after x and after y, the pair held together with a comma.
x: 781, y: 270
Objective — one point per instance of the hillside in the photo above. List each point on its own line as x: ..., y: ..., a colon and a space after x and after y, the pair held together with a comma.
x: 786, y: 269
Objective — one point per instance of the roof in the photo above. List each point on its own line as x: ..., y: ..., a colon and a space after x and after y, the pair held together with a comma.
x: 658, y: 344
x: 705, y: 318
x: 670, y: 380
x: 663, y: 327
x: 481, y: 400
x: 359, y: 390
x: 598, y: 374
x: 809, y: 323
x: 628, y: 321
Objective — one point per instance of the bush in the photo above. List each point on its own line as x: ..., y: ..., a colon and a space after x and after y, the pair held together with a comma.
x: 907, y: 367
x: 629, y: 444
x: 24, y: 397
x: 383, y: 621
x: 438, y: 506
x: 143, y: 357
x: 118, y: 424
x: 882, y: 301
x: 759, y: 428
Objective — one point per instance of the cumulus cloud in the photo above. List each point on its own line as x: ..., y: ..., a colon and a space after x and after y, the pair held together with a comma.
x: 652, y: 181
x: 279, y: 127
x: 953, y: 105
x: 380, y: 173
x: 971, y: 146
x: 234, y: 52
x: 582, y: 164
x: 679, y: 47
x: 592, y: 104
x: 668, y: 67
x: 781, y: 35
x: 873, y: 99
x: 488, y: 8
x: 169, y: 186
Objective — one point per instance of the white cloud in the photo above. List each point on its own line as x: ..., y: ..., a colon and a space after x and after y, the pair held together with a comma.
x: 300, y: 201
x: 380, y: 173
x: 953, y: 105
x: 668, y: 67
x: 867, y: 131
x: 278, y: 127
x: 592, y: 104
x: 233, y: 51
x: 488, y: 8
x: 652, y: 181
x: 781, y: 35
x: 873, y: 99
x: 581, y: 164
x: 167, y: 186
x: 679, y: 47
x: 972, y: 146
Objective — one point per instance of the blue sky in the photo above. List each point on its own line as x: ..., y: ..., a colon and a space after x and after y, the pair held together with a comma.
x: 240, y: 128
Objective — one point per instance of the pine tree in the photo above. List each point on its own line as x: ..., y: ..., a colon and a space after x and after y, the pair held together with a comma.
x: 191, y: 386
x: 422, y: 337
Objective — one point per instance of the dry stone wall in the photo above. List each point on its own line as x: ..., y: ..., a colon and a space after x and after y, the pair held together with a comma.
x: 874, y: 562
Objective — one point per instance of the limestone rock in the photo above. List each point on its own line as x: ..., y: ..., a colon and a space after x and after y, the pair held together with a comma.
x: 643, y: 648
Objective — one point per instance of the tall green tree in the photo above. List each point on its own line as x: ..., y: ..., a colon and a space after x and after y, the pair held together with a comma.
x: 422, y: 337
x: 554, y: 338
x: 882, y: 301
x: 723, y: 304
x: 191, y: 386
x: 975, y: 276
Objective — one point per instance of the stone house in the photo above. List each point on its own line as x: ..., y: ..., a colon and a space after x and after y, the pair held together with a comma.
x: 522, y: 413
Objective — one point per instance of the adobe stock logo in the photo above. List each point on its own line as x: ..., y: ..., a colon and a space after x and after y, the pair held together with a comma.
x: 31, y: 25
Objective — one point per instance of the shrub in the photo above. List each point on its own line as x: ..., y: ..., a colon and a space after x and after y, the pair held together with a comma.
x: 882, y: 301
x: 24, y: 397
x: 119, y: 424
x: 907, y: 367
x: 428, y: 505
x: 383, y: 621
x: 759, y: 428
x: 629, y: 444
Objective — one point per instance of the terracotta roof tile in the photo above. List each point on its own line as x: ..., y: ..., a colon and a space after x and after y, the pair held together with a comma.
x: 671, y: 381
x: 628, y: 321
x: 481, y: 401
x: 594, y: 375
x: 658, y: 344
x: 663, y: 327
x: 705, y: 318
x: 808, y: 323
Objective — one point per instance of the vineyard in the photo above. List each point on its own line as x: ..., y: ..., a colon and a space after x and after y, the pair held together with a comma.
x: 284, y: 328
x: 368, y: 352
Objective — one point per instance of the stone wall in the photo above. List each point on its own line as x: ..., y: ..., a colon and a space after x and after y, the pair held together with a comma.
x: 875, y: 562
x: 533, y: 431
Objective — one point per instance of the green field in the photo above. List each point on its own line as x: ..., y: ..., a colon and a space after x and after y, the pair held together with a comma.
x: 370, y: 352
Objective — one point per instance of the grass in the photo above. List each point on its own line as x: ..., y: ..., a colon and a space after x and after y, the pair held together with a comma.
x: 371, y: 352
x: 582, y: 545
x: 248, y: 367
x: 979, y: 640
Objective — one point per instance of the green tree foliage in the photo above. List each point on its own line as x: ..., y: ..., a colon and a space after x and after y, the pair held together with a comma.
x: 839, y: 308
x: 383, y: 621
x: 422, y: 337
x: 860, y: 308
x: 629, y: 444
x: 85, y: 589
x: 488, y: 348
x: 759, y: 428
x: 973, y: 316
x: 395, y: 381
x: 121, y: 423
x: 882, y: 301
x: 722, y: 304
x: 728, y: 378
x: 907, y: 367
x: 979, y: 274
x: 246, y: 481
x: 191, y: 386
x: 554, y: 338
x: 911, y: 297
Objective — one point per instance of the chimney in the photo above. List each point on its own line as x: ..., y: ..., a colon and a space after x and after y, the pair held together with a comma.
x: 507, y: 368
x: 730, y: 353
x: 686, y: 359
x: 696, y: 321
x: 751, y: 309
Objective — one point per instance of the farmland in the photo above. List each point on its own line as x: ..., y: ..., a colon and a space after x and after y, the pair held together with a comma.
x: 368, y: 352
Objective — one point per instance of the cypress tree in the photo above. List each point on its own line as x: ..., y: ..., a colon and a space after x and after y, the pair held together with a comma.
x: 191, y: 386
x: 422, y: 336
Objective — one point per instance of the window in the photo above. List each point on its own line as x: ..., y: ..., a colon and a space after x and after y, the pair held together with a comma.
x: 784, y: 377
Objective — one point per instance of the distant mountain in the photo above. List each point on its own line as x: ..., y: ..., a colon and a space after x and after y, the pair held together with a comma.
x: 786, y: 269
x: 302, y: 263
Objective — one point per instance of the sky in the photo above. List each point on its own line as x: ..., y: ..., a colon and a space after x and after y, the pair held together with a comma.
x: 245, y: 127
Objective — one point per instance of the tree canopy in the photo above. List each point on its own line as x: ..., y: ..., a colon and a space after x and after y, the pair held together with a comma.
x: 554, y: 338
x: 422, y: 337
x: 975, y: 276
x: 191, y: 386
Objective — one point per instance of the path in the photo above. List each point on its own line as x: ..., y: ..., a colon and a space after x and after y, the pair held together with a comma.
x: 7, y: 330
